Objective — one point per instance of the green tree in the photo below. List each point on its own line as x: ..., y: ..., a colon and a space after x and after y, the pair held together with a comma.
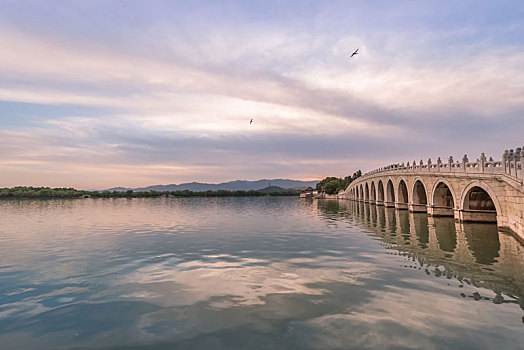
x: 332, y: 184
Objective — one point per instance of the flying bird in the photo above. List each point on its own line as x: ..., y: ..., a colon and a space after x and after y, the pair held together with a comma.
x: 251, y: 121
x: 354, y: 53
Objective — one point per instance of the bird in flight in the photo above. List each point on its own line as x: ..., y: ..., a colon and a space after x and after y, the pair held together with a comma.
x: 354, y: 53
x: 251, y: 121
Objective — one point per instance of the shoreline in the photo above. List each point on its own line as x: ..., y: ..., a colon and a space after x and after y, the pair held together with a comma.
x: 71, y: 193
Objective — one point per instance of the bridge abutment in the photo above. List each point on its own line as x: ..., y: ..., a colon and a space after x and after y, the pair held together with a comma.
x: 434, y: 210
x: 401, y: 206
x: 477, y: 216
x: 418, y: 208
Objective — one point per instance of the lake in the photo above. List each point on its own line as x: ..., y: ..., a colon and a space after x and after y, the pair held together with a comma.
x: 253, y: 273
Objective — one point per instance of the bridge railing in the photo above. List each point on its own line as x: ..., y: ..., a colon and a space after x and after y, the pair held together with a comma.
x: 512, y: 164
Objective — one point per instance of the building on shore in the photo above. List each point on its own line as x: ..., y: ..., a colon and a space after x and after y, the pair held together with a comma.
x: 308, y: 192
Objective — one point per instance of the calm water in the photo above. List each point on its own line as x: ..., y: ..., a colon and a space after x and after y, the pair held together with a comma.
x: 253, y: 273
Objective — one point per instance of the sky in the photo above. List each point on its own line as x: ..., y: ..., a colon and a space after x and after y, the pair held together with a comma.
x: 95, y: 94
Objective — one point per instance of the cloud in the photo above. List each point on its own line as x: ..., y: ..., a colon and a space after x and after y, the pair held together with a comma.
x: 180, y: 94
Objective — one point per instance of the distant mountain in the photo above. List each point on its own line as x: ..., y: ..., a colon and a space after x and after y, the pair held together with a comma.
x: 118, y: 189
x: 228, y: 186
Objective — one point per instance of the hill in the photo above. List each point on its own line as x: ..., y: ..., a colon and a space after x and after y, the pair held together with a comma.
x: 272, y: 189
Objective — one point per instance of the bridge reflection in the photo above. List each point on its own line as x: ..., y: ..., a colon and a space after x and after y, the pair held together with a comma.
x: 473, y: 253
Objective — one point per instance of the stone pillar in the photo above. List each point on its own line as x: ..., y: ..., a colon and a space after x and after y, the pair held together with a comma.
x: 429, y: 164
x: 414, y: 166
x: 482, y: 162
x: 439, y: 163
x: 522, y: 163
x: 465, y: 160
x: 517, y: 160
x: 505, y: 161
x: 510, y: 160
x: 450, y: 163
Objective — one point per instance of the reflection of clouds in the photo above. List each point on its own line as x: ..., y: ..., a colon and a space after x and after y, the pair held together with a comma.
x: 248, y: 281
x: 196, y: 271
x: 36, y: 302
x: 27, y: 307
x: 409, y: 318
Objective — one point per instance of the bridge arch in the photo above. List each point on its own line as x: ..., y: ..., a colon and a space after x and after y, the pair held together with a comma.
x: 390, y: 192
x: 478, y: 202
x: 361, y: 193
x: 380, y: 192
x: 441, y: 197
x: 373, y: 197
x: 366, y: 193
x: 419, y: 197
x: 402, y: 195
x: 443, y: 201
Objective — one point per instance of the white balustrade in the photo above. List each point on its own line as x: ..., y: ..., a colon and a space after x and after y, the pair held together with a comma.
x: 511, y: 165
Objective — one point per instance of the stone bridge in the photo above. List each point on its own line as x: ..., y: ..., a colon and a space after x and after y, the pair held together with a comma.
x: 480, y: 191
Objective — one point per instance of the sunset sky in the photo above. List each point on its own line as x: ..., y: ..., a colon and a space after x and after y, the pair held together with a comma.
x: 95, y: 94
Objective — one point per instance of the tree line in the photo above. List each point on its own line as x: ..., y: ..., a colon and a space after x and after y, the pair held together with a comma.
x: 332, y: 185
x: 47, y: 192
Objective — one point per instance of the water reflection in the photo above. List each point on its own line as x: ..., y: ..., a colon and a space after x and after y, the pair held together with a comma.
x: 446, y: 233
x: 483, y: 241
x: 420, y: 229
x: 251, y: 273
x: 471, y: 253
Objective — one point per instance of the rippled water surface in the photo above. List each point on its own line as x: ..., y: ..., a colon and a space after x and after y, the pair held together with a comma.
x: 253, y: 273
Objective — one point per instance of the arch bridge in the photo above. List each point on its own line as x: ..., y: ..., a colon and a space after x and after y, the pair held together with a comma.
x: 480, y: 191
